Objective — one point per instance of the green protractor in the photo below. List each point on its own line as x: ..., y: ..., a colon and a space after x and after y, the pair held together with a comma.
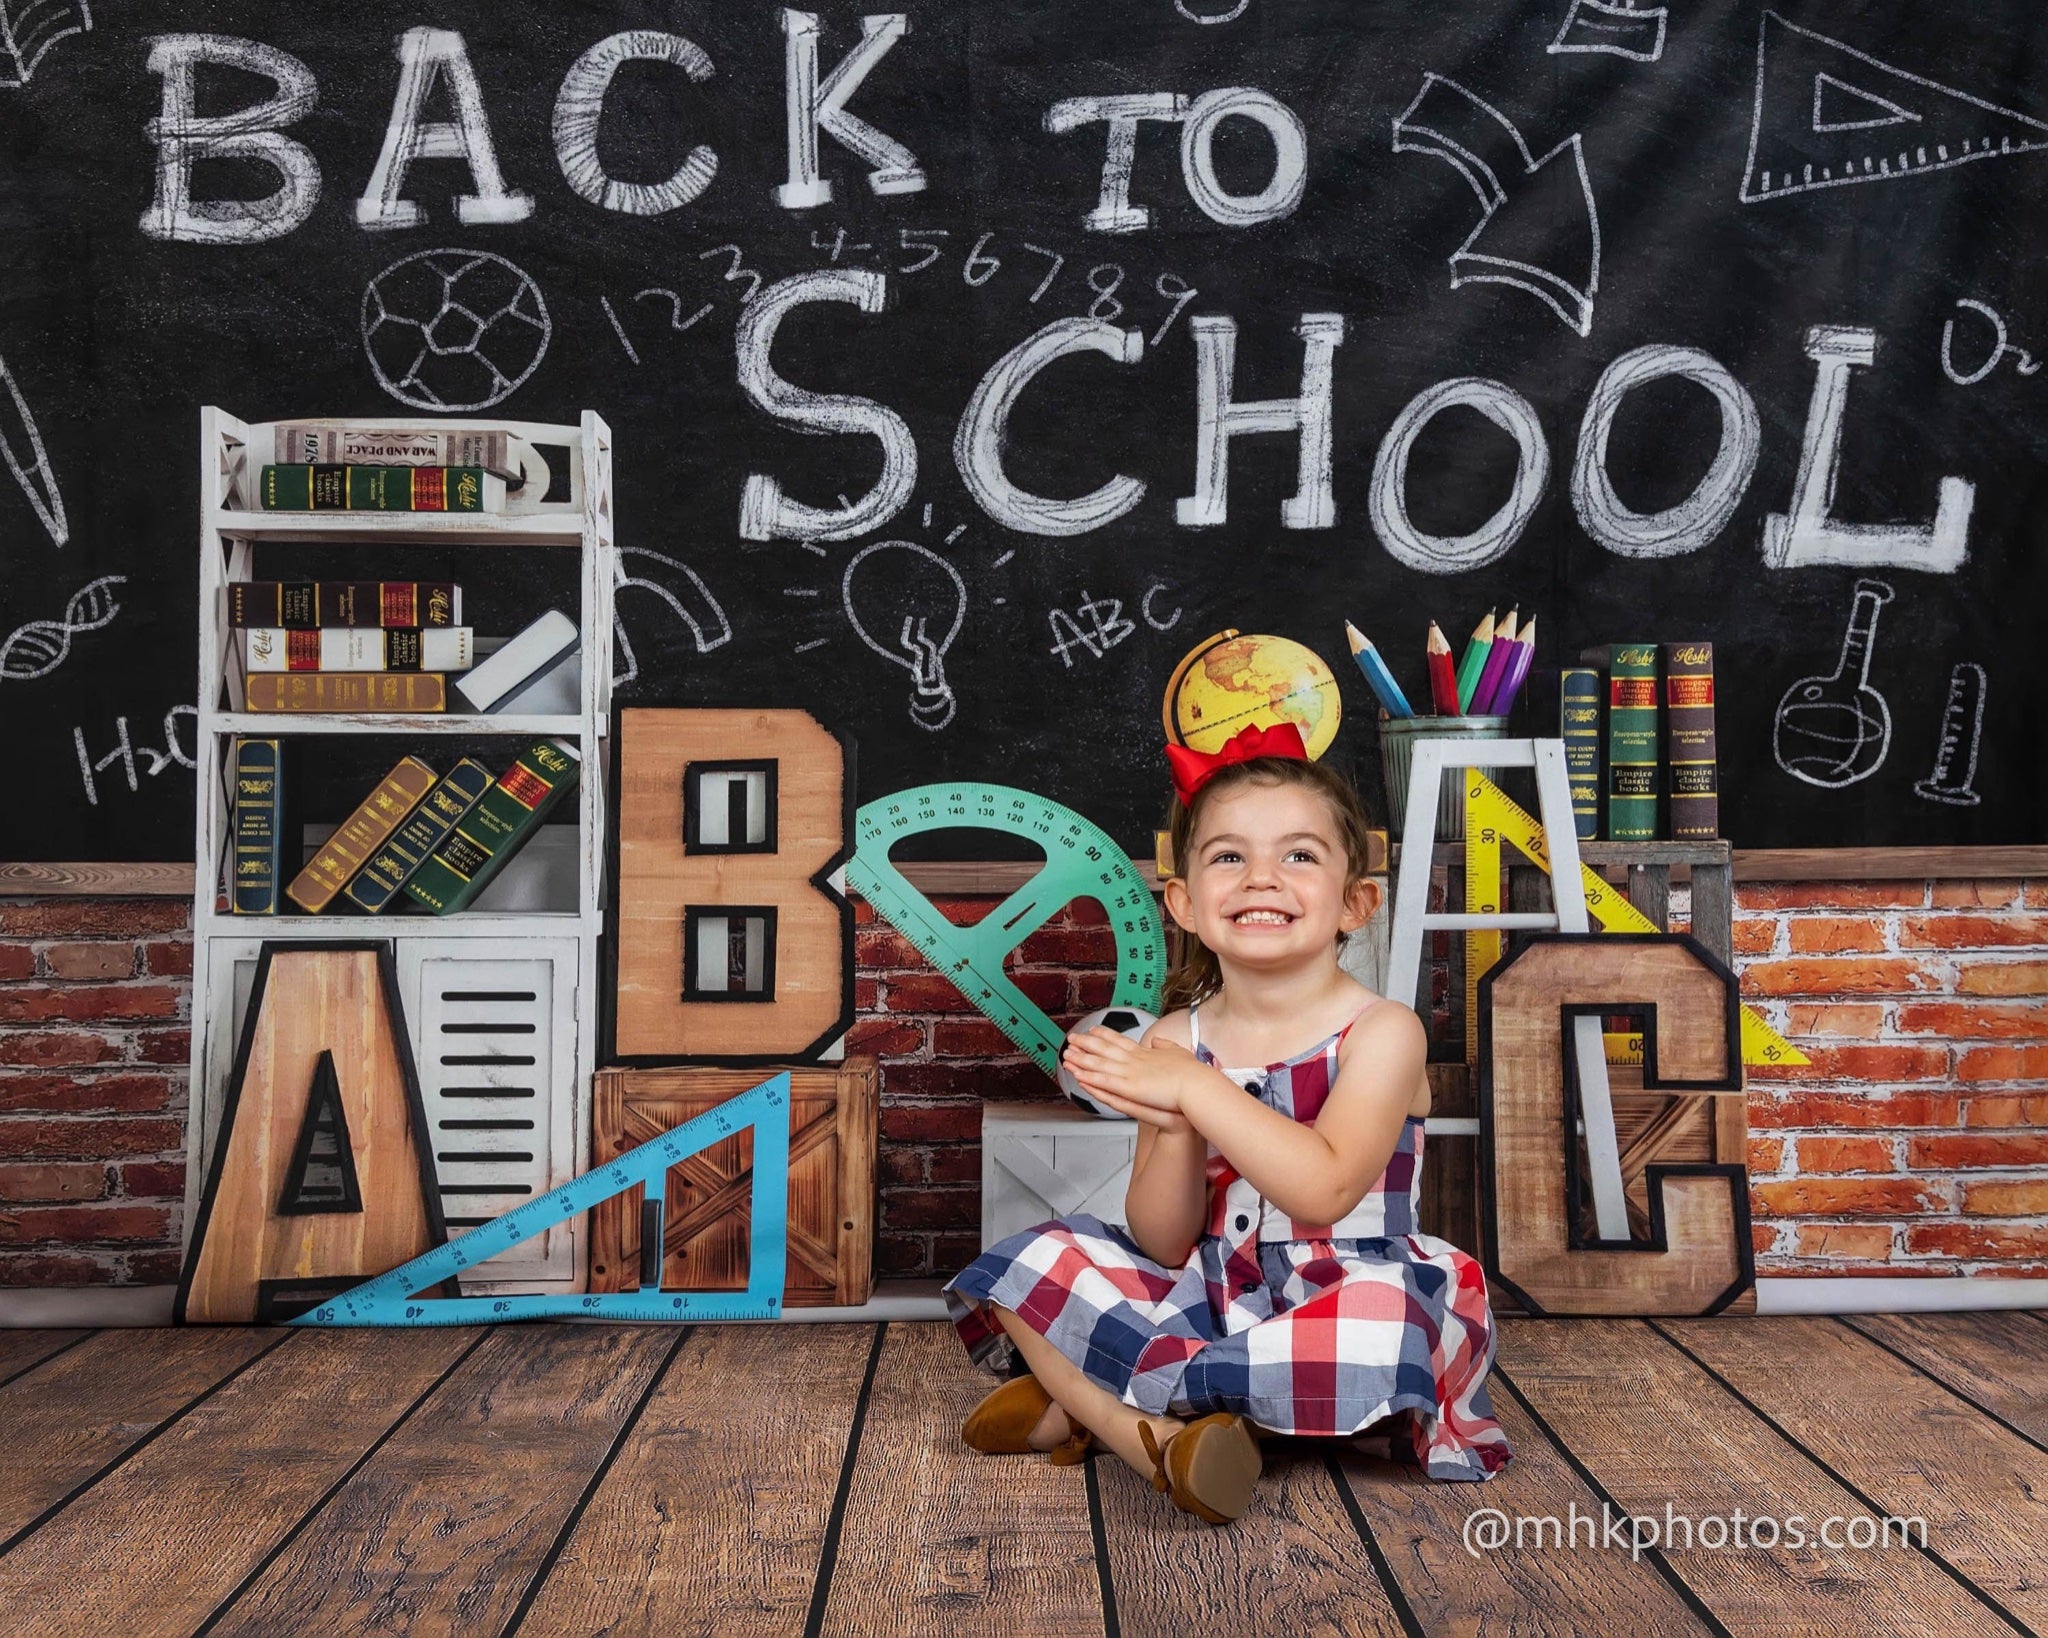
x: 1081, y: 862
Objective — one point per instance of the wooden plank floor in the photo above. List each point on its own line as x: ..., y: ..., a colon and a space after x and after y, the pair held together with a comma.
x: 809, y: 1479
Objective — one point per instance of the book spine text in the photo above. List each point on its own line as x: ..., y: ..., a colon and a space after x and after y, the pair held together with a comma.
x: 1689, y: 744
x: 1579, y: 724
x: 414, y: 842
x: 258, y: 827
x: 410, y: 691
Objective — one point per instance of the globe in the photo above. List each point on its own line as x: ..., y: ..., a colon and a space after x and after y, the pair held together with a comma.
x: 1232, y: 681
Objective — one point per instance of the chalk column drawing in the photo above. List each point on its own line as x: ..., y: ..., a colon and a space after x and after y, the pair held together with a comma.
x: 898, y: 606
x: 1827, y: 115
x: 684, y: 592
x: 29, y: 28
x: 1540, y: 227
x: 21, y: 446
x: 39, y: 647
x: 454, y: 330
x: 1618, y: 31
x: 1835, y: 730
x: 1962, y: 728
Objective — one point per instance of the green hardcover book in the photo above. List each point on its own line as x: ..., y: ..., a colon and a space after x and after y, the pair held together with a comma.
x: 413, y: 843
x: 380, y: 489
x: 1632, y: 741
x: 497, y: 827
x: 1579, y: 724
x: 258, y: 828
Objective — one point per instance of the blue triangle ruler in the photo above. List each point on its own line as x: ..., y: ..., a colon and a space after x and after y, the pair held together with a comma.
x: 1081, y: 861
x: 393, y: 1298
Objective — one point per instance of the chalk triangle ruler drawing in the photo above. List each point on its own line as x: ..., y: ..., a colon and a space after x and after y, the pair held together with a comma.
x: 1827, y: 115
x: 1493, y: 817
x: 393, y: 1298
x: 1081, y: 862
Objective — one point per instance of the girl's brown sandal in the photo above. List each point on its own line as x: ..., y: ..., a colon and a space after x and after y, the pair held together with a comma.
x: 1209, y: 1468
x: 1001, y: 1424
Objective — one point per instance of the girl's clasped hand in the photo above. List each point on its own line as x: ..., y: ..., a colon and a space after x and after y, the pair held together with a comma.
x: 1147, y: 1081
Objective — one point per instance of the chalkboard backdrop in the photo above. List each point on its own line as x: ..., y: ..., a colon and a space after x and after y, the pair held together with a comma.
x: 1075, y: 332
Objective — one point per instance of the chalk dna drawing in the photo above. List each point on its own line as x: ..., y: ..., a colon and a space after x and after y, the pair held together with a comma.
x: 454, y: 330
x: 1834, y: 730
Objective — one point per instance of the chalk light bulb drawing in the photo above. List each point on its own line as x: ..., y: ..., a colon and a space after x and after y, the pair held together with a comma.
x: 907, y: 603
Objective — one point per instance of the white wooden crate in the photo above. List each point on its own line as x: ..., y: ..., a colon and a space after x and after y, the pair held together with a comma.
x: 1041, y: 1160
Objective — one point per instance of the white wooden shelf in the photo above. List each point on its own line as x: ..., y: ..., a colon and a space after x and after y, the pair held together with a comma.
x: 276, y: 724
x: 402, y: 528
x: 500, y: 924
x: 501, y: 1004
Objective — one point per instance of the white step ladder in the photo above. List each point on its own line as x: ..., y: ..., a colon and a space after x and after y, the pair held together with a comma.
x: 1432, y: 759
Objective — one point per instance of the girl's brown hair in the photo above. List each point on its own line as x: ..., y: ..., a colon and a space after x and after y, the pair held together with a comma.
x: 1193, y: 973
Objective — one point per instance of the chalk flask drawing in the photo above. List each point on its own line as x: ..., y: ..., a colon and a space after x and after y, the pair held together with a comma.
x: 1835, y: 730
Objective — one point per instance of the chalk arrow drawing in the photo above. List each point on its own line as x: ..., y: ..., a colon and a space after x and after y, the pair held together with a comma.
x: 21, y: 446
x: 1540, y: 229
x: 1828, y: 115
x: 38, y: 648
x: 1618, y: 30
x: 28, y: 31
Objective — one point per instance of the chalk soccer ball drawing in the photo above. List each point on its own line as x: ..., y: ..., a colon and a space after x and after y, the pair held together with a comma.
x: 1130, y: 1022
x: 454, y: 330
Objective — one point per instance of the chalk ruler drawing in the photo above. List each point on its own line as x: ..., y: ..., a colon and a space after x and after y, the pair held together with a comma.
x: 2023, y: 361
x: 39, y: 647
x: 1618, y: 31
x: 1835, y: 730
x: 29, y: 28
x: 21, y: 446
x: 454, y: 330
x: 898, y: 608
x: 1827, y: 115
x: 393, y: 1298
x: 1539, y: 229
x: 1962, y: 728
x: 683, y: 590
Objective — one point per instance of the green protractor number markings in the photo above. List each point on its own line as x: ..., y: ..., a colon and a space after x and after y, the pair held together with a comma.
x: 1081, y: 862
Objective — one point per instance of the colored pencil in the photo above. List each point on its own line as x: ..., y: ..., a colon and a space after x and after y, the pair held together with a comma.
x: 1380, y: 679
x: 1474, y: 662
x: 1510, y: 685
x: 1443, y: 676
x: 1497, y: 658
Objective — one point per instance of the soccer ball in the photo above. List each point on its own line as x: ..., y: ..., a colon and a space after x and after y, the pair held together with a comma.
x: 1128, y: 1021
x: 454, y: 330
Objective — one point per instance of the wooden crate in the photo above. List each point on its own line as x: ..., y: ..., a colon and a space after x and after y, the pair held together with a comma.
x: 833, y: 1120
x: 1041, y: 1160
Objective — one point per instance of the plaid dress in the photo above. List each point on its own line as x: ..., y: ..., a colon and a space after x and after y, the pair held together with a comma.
x: 1304, y: 1328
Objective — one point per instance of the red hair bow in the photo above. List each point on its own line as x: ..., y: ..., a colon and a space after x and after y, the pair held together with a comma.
x: 1194, y: 769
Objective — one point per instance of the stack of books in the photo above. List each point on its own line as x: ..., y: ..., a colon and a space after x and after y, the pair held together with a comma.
x: 418, y: 840
x: 1638, y: 726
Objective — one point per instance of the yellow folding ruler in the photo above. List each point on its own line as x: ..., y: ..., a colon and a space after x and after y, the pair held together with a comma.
x: 1492, y: 817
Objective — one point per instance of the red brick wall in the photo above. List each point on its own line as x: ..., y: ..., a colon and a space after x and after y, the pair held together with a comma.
x: 95, y: 1008
x: 1916, y: 1143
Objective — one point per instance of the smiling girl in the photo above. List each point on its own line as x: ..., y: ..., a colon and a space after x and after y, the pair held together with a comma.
x: 1273, y: 1277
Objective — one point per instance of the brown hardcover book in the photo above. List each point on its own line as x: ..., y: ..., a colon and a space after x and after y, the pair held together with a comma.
x: 1689, y: 747
x: 360, y: 835
x: 414, y: 691
x: 303, y: 605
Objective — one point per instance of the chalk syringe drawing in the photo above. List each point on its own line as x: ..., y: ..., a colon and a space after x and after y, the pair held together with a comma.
x: 907, y: 603
x: 1834, y: 730
x: 1539, y: 228
x: 21, y: 446
x: 1962, y: 729
x: 1827, y: 115
x: 1622, y: 30
x: 29, y: 28
x: 39, y: 647
x: 454, y: 330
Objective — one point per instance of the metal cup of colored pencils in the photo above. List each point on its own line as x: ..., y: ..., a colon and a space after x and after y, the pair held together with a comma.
x: 1472, y: 699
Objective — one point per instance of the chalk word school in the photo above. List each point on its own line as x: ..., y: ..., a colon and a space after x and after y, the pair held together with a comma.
x: 434, y: 65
